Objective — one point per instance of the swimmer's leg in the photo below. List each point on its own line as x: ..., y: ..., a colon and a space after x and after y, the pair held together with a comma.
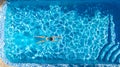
x: 40, y: 41
x: 40, y: 36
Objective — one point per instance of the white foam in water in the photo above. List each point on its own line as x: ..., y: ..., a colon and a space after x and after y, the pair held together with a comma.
x: 104, y: 23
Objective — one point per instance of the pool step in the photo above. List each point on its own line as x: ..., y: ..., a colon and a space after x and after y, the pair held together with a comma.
x: 117, y: 60
x: 103, y: 51
x: 114, y: 55
x: 110, y: 53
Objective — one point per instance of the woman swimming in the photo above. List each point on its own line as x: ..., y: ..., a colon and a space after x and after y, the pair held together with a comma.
x: 52, y: 38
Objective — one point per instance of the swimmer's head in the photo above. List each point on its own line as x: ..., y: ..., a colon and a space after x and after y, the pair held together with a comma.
x: 51, y: 38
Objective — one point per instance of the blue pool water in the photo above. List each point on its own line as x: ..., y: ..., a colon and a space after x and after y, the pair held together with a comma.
x: 88, y: 33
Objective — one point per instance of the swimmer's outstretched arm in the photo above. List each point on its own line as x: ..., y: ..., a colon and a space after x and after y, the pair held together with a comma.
x: 40, y: 36
x: 57, y: 37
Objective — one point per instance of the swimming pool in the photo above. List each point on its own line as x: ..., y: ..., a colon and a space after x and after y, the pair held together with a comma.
x: 87, y: 30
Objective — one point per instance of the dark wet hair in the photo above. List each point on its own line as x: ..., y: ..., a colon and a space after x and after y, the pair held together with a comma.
x: 51, y: 38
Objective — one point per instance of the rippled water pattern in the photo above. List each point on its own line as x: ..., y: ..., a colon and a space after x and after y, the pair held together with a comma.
x: 82, y: 35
